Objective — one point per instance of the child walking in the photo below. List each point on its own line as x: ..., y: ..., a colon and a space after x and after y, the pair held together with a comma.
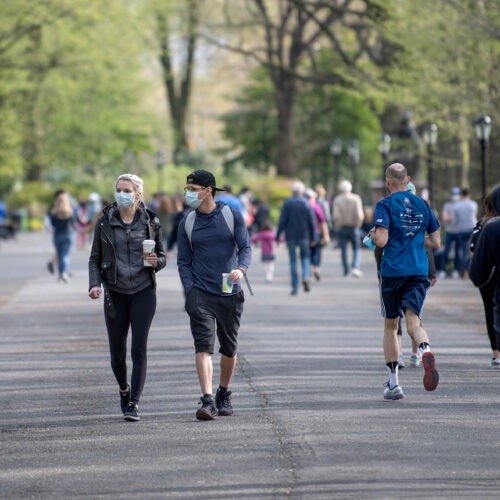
x: 266, y: 237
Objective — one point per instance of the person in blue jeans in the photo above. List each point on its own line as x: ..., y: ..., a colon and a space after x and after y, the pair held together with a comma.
x: 465, y: 217
x: 348, y: 216
x: 63, y: 217
x: 297, y: 222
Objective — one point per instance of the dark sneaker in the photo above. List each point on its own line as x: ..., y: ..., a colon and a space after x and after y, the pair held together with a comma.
x: 306, y: 285
x: 132, y: 413
x: 223, y: 403
x: 431, y: 376
x: 124, y: 399
x: 208, y: 411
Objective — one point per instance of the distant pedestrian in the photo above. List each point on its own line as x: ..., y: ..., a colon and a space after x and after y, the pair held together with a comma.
x: 117, y: 263
x: 348, y: 216
x: 297, y: 222
x: 63, y: 219
x: 321, y: 233
x: 266, y: 239
x: 484, y: 269
x: 324, y: 203
x: 451, y: 236
x: 401, y: 223
x: 465, y: 217
x: 93, y: 207
x: 213, y: 255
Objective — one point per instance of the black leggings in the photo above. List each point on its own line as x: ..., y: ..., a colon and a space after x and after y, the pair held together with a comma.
x: 487, y: 294
x: 137, y: 311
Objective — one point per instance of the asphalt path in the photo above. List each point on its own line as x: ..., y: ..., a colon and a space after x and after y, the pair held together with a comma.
x: 310, y: 421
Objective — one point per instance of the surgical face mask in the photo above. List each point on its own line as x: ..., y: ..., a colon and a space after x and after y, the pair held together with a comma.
x: 192, y: 199
x: 124, y: 200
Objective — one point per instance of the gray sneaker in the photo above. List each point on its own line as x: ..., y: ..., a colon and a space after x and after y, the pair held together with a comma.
x: 393, y: 394
x: 401, y: 361
x: 414, y: 360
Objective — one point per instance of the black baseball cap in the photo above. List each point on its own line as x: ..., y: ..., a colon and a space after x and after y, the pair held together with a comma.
x: 202, y: 178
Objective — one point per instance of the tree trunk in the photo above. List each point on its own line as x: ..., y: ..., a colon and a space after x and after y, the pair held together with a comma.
x: 178, y: 94
x: 285, y: 100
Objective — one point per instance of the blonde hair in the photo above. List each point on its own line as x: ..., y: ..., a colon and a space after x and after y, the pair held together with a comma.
x: 136, y: 181
x: 62, y: 206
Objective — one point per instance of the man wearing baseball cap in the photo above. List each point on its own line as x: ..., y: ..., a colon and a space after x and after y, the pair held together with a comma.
x: 206, y: 249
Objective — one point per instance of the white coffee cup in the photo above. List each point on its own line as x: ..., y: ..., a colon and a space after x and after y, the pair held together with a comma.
x: 227, y: 283
x: 148, y: 246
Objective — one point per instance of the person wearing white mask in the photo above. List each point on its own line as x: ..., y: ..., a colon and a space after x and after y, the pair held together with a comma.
x: 117, y: 265
x: 213, y: 255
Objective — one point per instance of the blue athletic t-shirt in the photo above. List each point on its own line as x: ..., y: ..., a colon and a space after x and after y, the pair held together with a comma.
x: 407, y: 217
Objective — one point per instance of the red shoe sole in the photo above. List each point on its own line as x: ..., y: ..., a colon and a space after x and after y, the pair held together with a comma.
x: 431, y: 376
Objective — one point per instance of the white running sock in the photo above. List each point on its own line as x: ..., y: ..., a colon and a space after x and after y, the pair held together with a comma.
x: 393, y: 378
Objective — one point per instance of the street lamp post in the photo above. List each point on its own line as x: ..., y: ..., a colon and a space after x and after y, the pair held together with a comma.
x: 429, y: 136
x: 160, y: 163
x: 483, y: 130
x: 336, y: 150
x: 384, y: 147
x: 353, y: 152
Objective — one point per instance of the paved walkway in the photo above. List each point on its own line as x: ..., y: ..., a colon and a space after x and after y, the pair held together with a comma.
x: 310, y: 421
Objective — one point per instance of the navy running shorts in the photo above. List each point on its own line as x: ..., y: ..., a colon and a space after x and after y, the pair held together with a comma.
x: 398, y: 293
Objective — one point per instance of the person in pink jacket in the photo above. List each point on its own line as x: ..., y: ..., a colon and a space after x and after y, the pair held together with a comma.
x: 266, y: 237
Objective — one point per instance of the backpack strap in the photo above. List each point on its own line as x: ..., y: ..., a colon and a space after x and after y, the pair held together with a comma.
x: 188, y: 225
x: 229, y: 218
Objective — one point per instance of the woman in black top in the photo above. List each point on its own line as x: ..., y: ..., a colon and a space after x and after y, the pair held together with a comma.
x: 484, y: 269
x: 116, y: 263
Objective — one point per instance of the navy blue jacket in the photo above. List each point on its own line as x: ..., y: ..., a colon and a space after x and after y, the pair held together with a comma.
x: 296, y: 219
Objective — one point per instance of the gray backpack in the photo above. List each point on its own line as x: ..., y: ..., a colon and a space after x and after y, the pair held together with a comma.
x: 191, y: 216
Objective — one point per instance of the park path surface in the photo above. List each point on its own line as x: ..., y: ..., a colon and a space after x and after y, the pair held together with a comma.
x: 310, y: 421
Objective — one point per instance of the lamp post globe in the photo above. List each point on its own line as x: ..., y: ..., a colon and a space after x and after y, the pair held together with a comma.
x: 353, y: 152
x: 336, y: 151
x: 429, y: 136
x: 482, y: 126
x: 160, y: 163
x: 384, y: 148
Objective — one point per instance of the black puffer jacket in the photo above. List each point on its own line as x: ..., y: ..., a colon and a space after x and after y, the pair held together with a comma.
x: 116, y: 256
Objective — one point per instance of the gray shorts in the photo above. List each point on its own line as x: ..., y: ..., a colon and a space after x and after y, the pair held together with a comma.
x: 206, y: 311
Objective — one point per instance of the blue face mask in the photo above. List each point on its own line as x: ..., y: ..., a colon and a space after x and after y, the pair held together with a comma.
x: 124, y: 200
x: 192, y: 199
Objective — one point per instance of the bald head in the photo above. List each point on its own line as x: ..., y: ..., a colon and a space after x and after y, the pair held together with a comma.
x: 396, y: 171
x: 396, y: 177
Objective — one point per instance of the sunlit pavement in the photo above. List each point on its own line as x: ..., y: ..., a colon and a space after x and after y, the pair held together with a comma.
x: 310, y: 420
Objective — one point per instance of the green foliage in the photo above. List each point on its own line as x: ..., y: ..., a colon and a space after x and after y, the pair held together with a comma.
x: 80, y: 91
x: 323, y: 112
x: 251, y: 128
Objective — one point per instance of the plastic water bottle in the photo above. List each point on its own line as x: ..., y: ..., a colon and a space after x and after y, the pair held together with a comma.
x: 368, y: 242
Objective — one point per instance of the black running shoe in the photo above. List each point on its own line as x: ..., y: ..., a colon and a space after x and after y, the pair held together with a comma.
x: 223, y: 403
x: 124, y: 399
x: 132, y: 413
x: 208, y: 411
x: 306, y: 285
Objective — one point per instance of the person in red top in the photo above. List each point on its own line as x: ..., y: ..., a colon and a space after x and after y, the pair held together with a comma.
x: 266, y: 237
